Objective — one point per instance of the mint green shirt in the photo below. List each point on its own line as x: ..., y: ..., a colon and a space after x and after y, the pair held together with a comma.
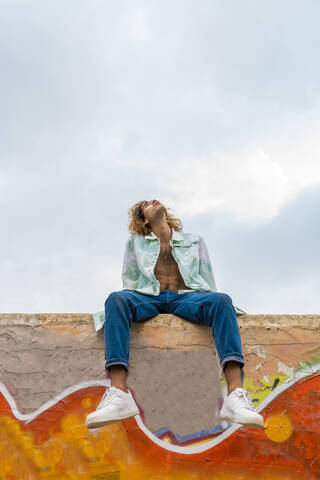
x: 140, y: 257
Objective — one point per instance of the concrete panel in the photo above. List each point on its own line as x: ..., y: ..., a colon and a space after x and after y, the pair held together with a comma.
x: 176, y: 379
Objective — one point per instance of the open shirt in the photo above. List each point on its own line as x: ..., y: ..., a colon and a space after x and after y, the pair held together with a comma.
x: 190, y: 252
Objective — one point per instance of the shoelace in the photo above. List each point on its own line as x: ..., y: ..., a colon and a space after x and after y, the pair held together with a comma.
x: 244, y: 399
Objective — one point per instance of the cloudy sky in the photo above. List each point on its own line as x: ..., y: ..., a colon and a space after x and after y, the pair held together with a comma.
x: 210, y: 106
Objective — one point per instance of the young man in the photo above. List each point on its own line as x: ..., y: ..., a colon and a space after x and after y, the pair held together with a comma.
x: 168, y: 271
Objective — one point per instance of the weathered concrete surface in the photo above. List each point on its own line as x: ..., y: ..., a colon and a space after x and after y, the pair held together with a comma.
x: 173, y: 362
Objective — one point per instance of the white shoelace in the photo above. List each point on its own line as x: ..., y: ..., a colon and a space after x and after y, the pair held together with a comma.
x: 244, y: 399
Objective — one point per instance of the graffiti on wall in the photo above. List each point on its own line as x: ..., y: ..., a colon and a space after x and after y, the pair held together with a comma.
x: 53, y: 442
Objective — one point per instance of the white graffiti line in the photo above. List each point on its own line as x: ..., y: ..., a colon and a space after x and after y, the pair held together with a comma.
x: 187, y: 450
x: 201, y: 447
x: 28, y: 417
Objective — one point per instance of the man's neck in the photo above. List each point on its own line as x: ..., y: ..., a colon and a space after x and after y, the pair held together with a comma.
x: 163, y: 232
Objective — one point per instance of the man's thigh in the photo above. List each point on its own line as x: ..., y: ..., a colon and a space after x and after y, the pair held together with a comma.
x: 195, y: 306
x: 140, y: 306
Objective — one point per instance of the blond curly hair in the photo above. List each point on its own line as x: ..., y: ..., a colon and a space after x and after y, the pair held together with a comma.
x: 136, y: 218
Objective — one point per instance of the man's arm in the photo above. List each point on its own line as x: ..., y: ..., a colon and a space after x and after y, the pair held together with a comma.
x: 130, y: 270
x: 205, y: 269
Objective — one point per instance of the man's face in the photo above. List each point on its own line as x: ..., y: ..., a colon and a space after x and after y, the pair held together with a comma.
x: 153, y: 210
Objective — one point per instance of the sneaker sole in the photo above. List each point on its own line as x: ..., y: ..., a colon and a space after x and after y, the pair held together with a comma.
x: 103, y: 423
x: 241, y: 422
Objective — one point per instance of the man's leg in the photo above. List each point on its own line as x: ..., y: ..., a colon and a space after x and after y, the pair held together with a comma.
x: 216, y: 310
x: 121, y: 309
x: 118, y: 376
x: 232, y: 372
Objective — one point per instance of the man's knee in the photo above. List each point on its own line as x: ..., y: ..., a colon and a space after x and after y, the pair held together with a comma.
x: 224, y: 298
x: 219, y: 297
x: 120, y: 296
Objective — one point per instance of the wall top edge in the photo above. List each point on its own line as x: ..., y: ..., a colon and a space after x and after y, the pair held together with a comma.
x: 86, y: 319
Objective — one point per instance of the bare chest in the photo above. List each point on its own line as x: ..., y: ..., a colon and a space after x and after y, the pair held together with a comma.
x: 167, y: 270
x: 166, y: 264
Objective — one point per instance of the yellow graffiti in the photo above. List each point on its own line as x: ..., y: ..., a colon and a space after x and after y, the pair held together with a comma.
x: 262, y: 389
x: 278, y: 428
x: 70, y: 454
x: 86, y: 402
x: 75, y: 452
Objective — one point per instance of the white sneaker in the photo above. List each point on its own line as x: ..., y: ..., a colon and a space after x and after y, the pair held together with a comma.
x: 115, y: 406
x: 238, y: 408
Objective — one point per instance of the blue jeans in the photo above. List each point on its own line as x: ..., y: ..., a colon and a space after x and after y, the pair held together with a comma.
x: 213, y: 309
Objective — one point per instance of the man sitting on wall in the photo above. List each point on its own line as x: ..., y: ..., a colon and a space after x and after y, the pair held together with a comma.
x: 168, y: 271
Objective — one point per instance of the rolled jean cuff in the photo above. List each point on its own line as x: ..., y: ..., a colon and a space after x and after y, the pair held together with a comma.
x: 230, y: 358
x: 114, y: 361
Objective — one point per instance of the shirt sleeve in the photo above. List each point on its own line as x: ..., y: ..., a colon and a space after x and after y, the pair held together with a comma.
x: 130, y: 270
x: 205, y: 267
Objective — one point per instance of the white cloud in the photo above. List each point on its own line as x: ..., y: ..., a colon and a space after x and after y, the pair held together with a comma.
x: 252, y: 184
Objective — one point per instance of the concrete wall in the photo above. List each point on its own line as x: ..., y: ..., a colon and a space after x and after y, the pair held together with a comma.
x: 52, y: 376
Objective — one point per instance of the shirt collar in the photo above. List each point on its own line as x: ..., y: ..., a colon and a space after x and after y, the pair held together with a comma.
x: 176, y: 236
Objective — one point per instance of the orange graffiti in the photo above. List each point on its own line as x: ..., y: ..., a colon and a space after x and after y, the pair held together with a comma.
x: 56, y: 445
